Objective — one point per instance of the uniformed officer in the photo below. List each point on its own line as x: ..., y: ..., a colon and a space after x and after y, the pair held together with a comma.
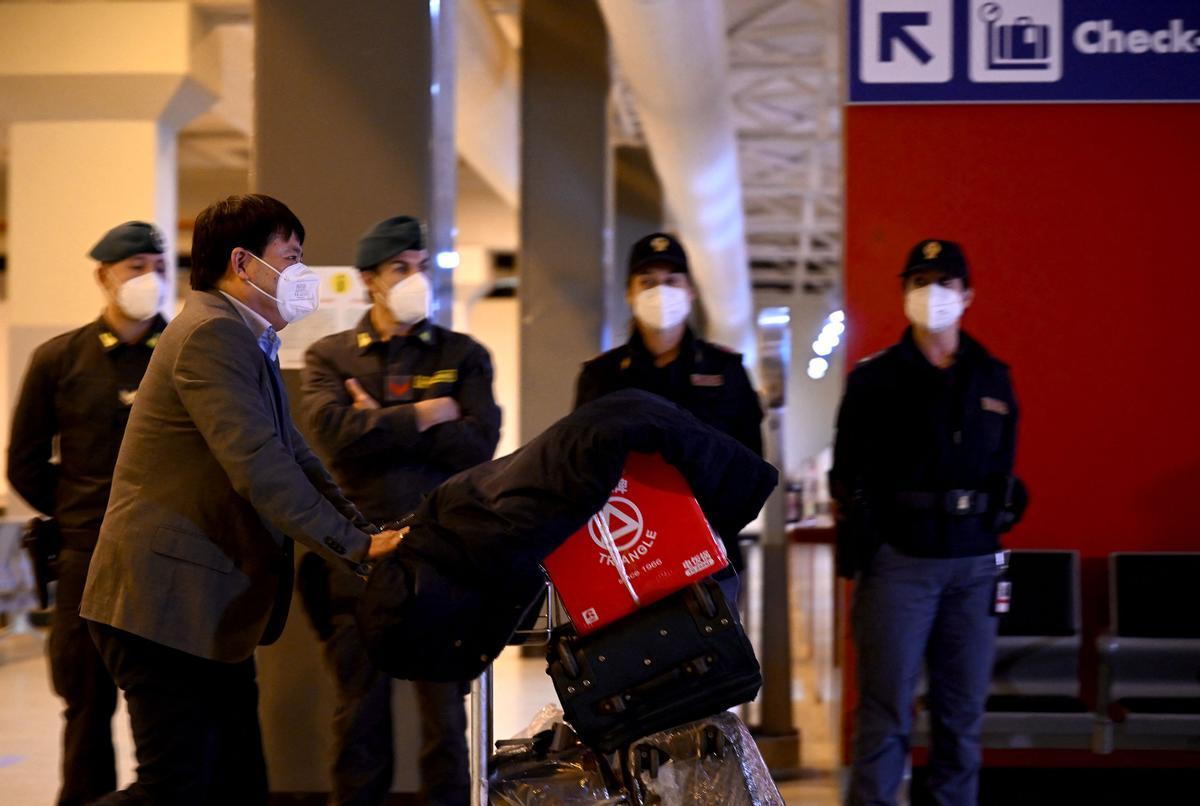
x: 922, y: 477
x: 78, y: 390
x: 398, y: 405
x: 664, y: 356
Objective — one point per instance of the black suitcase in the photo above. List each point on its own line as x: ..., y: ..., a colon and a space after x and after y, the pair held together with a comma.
x: 678, y: 660
x: 713, y: 761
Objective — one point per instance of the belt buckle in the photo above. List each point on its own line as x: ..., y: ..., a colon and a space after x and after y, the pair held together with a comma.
x: 962, y: 502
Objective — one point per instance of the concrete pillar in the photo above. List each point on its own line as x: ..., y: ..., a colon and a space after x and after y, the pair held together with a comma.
x: 566, y: 191
x: 354, y: 123
x: 354, y: 120
x: 93, y: 95
x: 639, y: 211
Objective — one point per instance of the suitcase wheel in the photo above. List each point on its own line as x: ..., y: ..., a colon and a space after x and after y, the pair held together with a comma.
x: 713, y: 744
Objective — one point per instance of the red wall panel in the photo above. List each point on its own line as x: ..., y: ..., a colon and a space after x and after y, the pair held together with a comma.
x: 1082, y: 226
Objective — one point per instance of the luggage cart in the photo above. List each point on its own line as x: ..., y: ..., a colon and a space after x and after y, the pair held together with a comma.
x: 480, y: 723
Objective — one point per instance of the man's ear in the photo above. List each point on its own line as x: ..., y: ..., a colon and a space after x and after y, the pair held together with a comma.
x: 237, y: 259
x: 968, y: 297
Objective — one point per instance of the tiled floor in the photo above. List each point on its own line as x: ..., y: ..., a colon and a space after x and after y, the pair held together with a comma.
x: 29, y: 721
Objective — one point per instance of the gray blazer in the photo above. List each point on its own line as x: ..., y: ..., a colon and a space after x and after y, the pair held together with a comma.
x: 212, y: 483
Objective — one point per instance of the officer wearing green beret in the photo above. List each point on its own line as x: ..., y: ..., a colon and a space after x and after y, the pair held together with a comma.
x: 78, y: 390
x: 664, y: 356
x: 397, y: 405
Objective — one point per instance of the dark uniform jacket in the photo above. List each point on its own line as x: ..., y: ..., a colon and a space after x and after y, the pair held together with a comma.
x: 923, y: 455
x: 379, y: 459
x: 460, y: 581
x: 707, y: 380
x: 79, y: 388
x: 212, y: 484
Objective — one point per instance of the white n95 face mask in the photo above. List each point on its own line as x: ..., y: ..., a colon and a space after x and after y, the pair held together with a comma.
x: 933, y: 307
x: 409, y: 299
x: 141, y: 297
x: 662, y: 307
x: 297, y: 293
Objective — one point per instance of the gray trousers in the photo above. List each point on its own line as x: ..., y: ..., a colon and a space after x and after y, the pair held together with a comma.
x: 908, y: 611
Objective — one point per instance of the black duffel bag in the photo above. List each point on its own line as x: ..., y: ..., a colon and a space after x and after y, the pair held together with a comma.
x: 678, y: 660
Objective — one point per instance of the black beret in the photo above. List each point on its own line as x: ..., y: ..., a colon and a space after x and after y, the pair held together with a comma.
x: 658, y: 249
x: 128, y: 239
x: 387, y: 239
x: 943, y: 256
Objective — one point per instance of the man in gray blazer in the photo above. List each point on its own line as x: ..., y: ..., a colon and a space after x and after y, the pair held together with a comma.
x: 193, y: 568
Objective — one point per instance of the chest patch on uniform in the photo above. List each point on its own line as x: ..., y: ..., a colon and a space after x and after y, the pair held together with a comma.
x: 398, y: 388
x: 437, y: 378
x: 994, y: 405
x: 126, y: 396
x: 708, y: 380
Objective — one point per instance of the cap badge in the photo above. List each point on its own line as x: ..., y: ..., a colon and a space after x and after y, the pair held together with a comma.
x: 659, y: 244
x: 932, y: 250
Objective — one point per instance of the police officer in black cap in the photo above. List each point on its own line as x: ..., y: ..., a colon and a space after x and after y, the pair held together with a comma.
x: 664, y: 356
x: 77, y: 391
x: 922, y: 475
x: 397, y: 405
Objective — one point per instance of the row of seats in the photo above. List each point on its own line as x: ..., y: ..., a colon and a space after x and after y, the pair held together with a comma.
x: 1148, y: 692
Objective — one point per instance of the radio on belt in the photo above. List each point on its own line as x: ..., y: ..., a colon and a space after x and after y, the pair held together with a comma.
x: 650, y: 540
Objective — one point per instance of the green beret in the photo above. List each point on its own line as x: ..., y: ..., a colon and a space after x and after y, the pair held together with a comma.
x: 128, y: 239
x: 387, y: 239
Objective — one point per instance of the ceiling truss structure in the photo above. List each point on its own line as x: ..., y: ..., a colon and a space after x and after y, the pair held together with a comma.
x: 784, y: 71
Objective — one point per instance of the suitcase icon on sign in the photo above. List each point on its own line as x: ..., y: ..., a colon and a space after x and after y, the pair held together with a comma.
x: 1021, y: 45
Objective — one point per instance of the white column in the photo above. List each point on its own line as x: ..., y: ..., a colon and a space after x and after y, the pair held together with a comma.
x: 93, y: 95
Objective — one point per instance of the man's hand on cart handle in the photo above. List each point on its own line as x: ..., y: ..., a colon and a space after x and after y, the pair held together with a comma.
x: 385, y: 542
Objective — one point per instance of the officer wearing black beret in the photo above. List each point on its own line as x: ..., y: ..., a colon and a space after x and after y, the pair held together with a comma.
x: 664, y: 356
x: 78, y: 389
x: 396, y: 405
x: 922, y: 475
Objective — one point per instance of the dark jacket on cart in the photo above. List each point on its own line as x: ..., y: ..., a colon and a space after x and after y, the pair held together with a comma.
x: 470, y: 566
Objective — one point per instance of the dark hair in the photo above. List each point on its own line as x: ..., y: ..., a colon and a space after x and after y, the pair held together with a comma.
x: 249, y: 221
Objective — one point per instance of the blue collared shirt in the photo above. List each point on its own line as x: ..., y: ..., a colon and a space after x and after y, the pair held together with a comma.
x: 268, y: 339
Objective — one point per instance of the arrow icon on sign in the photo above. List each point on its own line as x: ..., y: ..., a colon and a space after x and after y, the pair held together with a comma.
x: 894, y: 27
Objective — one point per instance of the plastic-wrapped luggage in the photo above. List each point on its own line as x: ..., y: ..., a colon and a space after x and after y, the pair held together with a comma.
x: 552, y: 768
x: 713, y: 761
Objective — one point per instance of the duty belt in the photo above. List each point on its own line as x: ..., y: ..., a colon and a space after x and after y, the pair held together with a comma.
x: 952, y: 502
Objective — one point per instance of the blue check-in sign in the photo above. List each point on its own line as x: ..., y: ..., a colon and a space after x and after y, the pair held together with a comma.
x: 973, y: 51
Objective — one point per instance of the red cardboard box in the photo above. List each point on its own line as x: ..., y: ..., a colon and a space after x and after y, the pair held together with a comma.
x: 660, y: 534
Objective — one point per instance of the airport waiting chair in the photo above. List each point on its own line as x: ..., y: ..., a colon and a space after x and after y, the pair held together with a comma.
x: 1149, y: 673
x: 1034, y: 697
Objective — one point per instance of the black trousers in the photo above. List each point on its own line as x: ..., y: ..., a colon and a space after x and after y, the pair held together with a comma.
x: 195, y: 724
x: 89, y: 767
x: 362, y: 730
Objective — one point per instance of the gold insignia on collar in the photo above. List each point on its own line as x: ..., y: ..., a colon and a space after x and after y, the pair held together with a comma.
x: 659, y: 244
x: 932, y: 250
x: 153, y: 340
x: 425, y: 337
x: 625, y: 362
x: 107, y: 340
x: 364, y: 339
